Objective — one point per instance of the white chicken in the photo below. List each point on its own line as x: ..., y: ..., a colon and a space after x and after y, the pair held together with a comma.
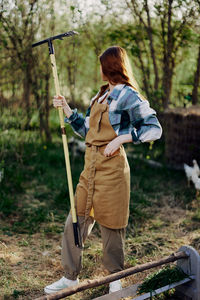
x: 189, y: 171
x: 196, y: 167
x: 196, y: 181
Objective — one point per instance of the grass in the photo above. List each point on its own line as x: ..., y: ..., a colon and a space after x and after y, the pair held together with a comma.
x: 164, y: 214
x: 163, y: 277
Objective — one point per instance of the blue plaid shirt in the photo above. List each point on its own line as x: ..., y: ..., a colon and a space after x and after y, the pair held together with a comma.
x: 128, y: 113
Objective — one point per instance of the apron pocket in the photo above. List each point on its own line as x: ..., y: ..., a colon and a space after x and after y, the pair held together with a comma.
x: 116, y: 153
x: 116, y: 160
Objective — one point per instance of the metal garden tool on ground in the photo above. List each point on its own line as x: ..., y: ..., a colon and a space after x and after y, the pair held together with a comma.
x: 77, y: 235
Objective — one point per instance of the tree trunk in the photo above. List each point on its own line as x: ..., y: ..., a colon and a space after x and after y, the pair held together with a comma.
x: 145, y: 81
x: 26, y: 96
x: 152, y: 50
x: 168, y: 60
x: 37, y: 97
x: 167, y: 87
x: 70, y: 70
x: 96, y: 70
x: 36, y: 87
x: 196, y: 81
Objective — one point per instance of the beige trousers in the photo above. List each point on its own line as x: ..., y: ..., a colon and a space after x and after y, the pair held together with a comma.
x: 113, y: 247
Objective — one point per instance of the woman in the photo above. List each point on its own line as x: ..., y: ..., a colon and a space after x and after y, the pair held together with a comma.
x: 117, y: 114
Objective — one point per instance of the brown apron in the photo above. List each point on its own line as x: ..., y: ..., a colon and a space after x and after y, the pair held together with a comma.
x: 103, y: 190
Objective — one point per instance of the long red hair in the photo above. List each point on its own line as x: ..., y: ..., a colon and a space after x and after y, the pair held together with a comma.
x: 116, y: 67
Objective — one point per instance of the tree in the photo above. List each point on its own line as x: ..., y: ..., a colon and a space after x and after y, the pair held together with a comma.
x: 20, y: 24
x: 197, y: 72
x: 19, y: 29
x: 164, y: 40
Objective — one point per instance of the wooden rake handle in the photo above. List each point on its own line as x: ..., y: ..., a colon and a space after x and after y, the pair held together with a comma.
x: 77, y: 238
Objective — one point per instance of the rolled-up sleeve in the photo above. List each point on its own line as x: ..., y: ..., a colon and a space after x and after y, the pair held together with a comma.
x: 77, y: 122
x: 146, y: 127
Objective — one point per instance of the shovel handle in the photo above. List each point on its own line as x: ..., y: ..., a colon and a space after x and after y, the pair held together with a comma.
x: 64, y: 139
x: 77, y: 237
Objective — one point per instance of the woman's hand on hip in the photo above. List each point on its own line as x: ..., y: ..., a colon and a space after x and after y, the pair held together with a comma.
x: 60, y: 101
x: 113, y: 146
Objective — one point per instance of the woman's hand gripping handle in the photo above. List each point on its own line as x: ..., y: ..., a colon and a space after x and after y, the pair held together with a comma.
x: 60, y: 101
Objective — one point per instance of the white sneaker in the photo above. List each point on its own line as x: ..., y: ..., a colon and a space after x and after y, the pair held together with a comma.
x: 115, y: 286
x: 59, y: 285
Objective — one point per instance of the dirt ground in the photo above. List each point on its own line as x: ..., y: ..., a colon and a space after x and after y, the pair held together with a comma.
x: 30, y: 262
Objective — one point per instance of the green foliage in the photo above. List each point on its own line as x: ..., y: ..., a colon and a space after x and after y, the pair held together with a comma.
x: 160, y: 278
x: 17, y: 293
x: 25, y: 157
x: 30, y: 220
